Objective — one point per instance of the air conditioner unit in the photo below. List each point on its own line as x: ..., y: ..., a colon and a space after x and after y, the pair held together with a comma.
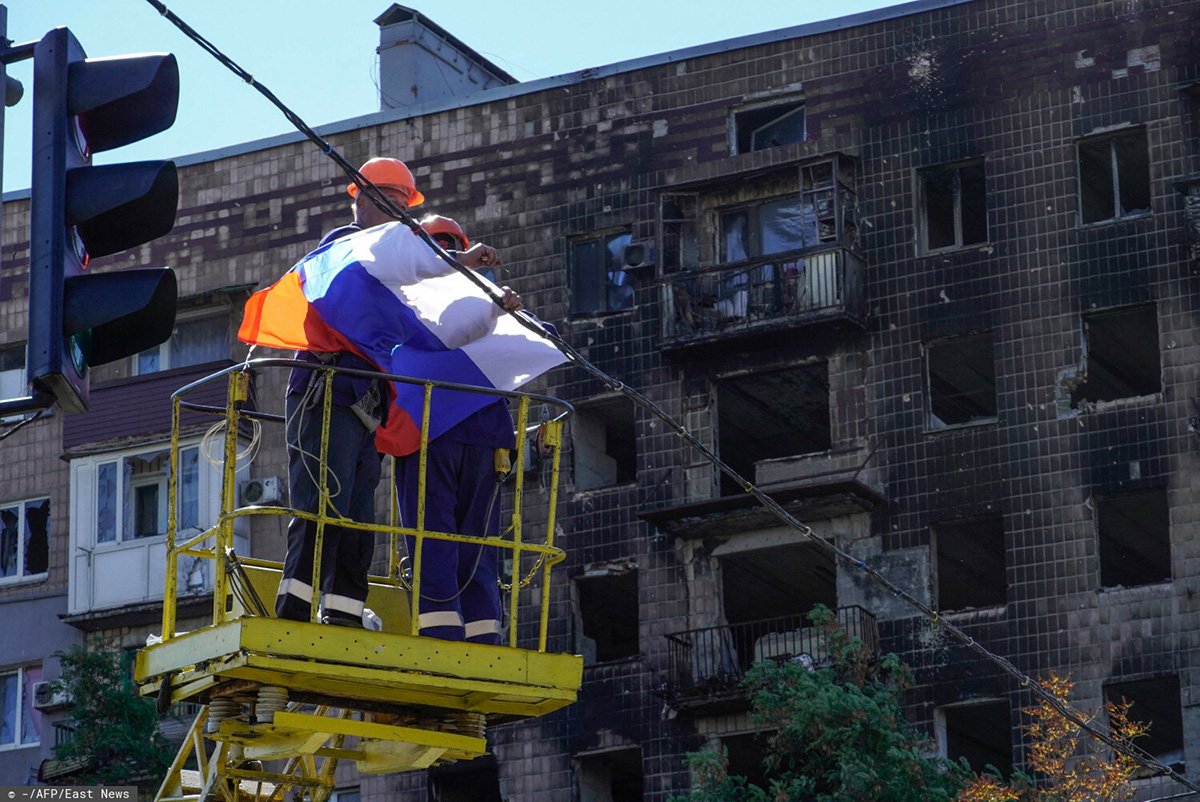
x: 261, y: 492
x: 637, y: 255
x: 46, y: 698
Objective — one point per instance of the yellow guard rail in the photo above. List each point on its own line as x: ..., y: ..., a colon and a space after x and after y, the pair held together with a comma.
x: 282, y: 697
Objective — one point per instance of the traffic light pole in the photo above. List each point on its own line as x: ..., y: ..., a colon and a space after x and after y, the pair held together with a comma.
x: 13, y: 90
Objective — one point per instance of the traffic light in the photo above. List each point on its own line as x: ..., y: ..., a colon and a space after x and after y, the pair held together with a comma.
x: 78, y: 212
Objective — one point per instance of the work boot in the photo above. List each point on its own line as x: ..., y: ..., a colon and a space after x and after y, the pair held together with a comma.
x: 342, y: 619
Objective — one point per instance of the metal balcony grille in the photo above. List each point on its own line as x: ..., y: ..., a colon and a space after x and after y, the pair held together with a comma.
x: 713, y: 662
x: 787, y: 289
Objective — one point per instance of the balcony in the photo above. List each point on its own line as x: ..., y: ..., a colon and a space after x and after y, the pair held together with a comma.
x: 763, y: 296
x: 707, y: 666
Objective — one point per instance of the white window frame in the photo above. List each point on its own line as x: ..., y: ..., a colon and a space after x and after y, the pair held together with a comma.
x: 18, y: 371
x: 21, y: 576
x: 21, y: 388
x: 18, y: 735
x: 139, y: 562
x: 159, y: 482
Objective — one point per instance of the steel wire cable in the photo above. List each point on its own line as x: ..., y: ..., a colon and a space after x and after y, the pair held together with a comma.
x: 385, y: 204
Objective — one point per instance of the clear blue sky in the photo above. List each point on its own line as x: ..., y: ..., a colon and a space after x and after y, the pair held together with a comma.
x: 319, y: 57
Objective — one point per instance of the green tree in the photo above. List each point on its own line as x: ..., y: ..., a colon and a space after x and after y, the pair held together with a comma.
x: 833, y: 734
x: 116, y: 741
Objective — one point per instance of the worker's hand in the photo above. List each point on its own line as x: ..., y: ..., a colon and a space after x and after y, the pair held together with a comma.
x: 510, y: 300
x: 479, y: 256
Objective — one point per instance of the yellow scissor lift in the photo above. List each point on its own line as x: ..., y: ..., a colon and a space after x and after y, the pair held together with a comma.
x: 285, y: 701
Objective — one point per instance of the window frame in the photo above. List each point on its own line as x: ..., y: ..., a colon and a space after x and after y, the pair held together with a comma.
x: 22, y: 388
x: 125, y: 493
x: 21, y: 371
x: 1112, y: 136
x: 22, y: 703
x: 941, y: 728
x: 1093, y: 355
x: 748, y: 119
x: 1107, y: 507
x: 922, y: 178
x: 163, y: 349
x: 22, y: 577
x: 1123, y: 685
x: 941, y: 533
x: 600, y: 283
x: 729, y: 392
x: 608, y: 412
x: 934, y: 424
x: 586, y: 591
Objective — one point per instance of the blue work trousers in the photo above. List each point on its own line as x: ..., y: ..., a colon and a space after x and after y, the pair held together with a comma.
x: 353, y: 474
x: 460, y: 598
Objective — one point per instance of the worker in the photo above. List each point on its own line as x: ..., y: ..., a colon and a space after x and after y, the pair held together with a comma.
x: 359, y: 407
x: 446, y: 232
x: 465, y: 466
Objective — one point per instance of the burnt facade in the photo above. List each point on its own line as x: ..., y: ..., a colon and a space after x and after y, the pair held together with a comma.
x: 925, y: 274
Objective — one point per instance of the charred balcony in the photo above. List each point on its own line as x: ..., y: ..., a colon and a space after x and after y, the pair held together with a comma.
x: 706, y: 666
x: 763, y: 296
x: 761, y: 255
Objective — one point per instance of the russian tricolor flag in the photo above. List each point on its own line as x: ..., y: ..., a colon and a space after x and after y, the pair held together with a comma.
x: 385, y: 295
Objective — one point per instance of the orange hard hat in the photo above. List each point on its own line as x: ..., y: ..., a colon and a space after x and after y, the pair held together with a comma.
x: 384, y: 172
x: 436, y: 224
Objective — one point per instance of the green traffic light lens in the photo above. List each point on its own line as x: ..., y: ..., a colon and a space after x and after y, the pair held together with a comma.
x: 80, y: 249
x: 80, y: 347
x: 81, y: 142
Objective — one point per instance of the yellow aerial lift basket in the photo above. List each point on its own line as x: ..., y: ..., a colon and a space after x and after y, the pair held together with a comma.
x: 285, y: 701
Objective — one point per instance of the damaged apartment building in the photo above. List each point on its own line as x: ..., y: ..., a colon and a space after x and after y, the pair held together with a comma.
x: 927, y: 275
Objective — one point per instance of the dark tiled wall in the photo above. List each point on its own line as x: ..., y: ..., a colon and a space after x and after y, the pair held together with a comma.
x: 1012, y: 83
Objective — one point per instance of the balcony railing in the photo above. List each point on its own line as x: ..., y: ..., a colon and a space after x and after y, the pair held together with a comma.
x: 710, y: 664
x: 787, y: 289
x: 64, y: 732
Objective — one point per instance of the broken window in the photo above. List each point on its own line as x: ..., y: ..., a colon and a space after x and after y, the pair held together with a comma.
x: 979, y: 731
x: 1156, y: 702
x: 768, y: 126
x: 599, y: 281
x: 765, y: 416
x: 782, y: 581
x: 1114, y: 176
x: 746, y: 753
x: 1120, y: 355
x: 605, y: 442
x: 953, y: 206
x: 788, y: 223
x: 20, y: 721
x: 680, y: 244
x: 962, y: 380
x: 969, y: 569
x: 606, y: 626
x: 24, y: 539
x: 470, y: 781
x: 1134, y: 533
x: 612, y: 776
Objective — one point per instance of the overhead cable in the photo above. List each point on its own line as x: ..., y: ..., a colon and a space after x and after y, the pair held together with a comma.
x: 385, y: 204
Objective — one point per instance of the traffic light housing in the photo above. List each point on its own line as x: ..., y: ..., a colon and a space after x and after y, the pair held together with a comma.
x: 78, y: 212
